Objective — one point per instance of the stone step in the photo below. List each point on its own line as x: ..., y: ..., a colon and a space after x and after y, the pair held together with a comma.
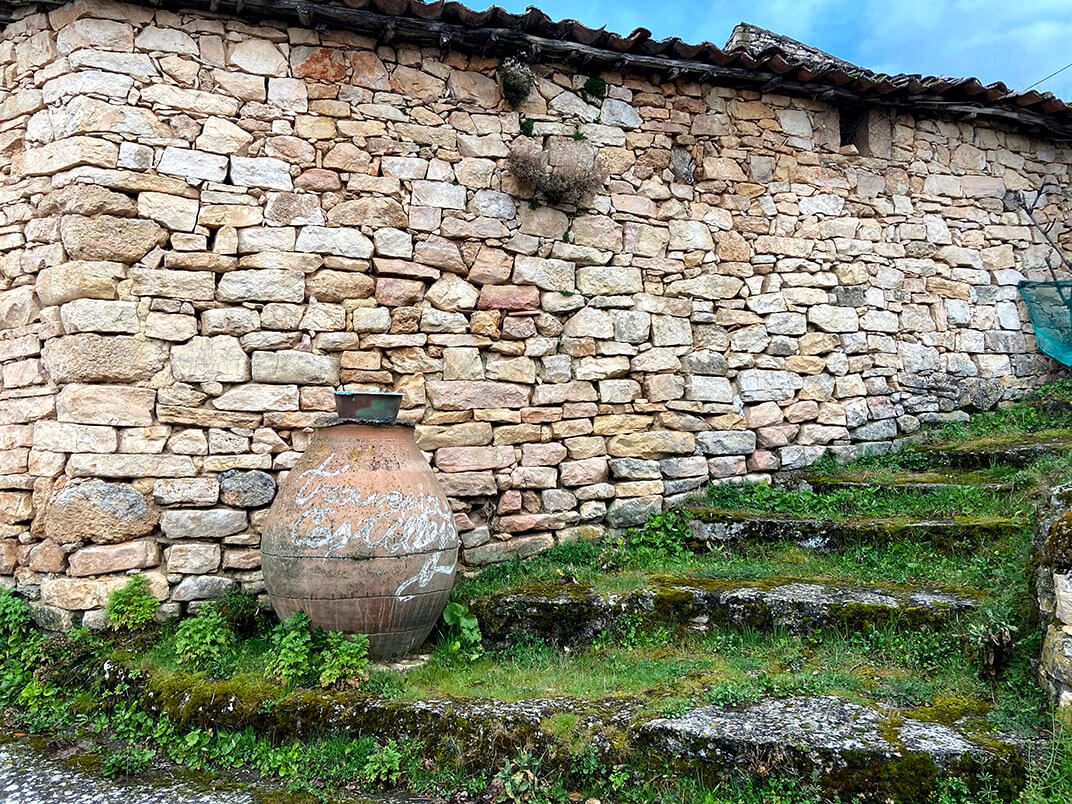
x: 982, y: 453
x: 711, y: 525
x: 572, y: 614
x: 855, y: 752
x: 922, y: 483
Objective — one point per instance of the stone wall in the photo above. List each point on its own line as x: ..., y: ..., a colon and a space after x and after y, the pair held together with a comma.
x: 208, y: 226
x: 1053, y: 585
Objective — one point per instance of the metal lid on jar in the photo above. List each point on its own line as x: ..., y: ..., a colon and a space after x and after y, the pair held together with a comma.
x: 368, y: 407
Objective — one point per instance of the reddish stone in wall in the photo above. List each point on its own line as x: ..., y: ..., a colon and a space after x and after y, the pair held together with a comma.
x: 324, y: 63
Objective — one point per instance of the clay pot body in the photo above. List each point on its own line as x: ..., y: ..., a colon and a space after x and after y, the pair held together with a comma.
x: 361, y: 538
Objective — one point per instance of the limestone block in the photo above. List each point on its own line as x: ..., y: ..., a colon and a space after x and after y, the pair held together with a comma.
x: 94, y: 315
x: 219, y: 358
x: 690, y: 236
x: 56, y: 436
x: 68, y: 153
x: 220, y: 136
x: 246, y: 489
x: 187, y: 491
x: 78, y: 279
x: 188, y: 285
x: 258, y: 397
x: 616, y: 112
x: 193, y: 559
x: 257, y: 56
x: 168, y: 40
x: 18, y: 307
x: 104, y: 513
x: 193, y: 164
x: 337, y: 286
x: 368, y: 71
x: 726, y: 442
x: 473, y: 459
x: 651, y: 444
x: 471, y: 87
x: 291, y: 366
x: 268, y: 285
x: 262, y: 171
x: 762, y: 385
x: 470, y: 395
x: 88, y: 357
x: 438, y: 194
x: 452, y: 293
x: 344, y: 242
x: 106, y: 237
x: 325, y: 64
x: 130, y: 466
x: 209, y: 523
x: 78, y: 593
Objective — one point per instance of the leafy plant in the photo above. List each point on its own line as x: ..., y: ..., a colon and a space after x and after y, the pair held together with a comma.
x: 594, y: 86
x: 202, y: 641
x: 517, y: 80
x: 132, y: 606
x: 345, y: 662
x: 292, y: 650
x: 528, y: 125
x: 130, y: 761
x: 384, y: 765
x: 521, y: 782
x: 464, y: 635
x: 14, y: 614
x: 664, y: 534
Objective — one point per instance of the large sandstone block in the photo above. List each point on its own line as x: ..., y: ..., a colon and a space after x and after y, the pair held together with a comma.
x: 130, y: 466
x: 291, y: 366
x: 219, y: 358
x: 104, y: 513
x: 118, y: 405
x: 106, y: 237
x: 68, y: 153
x: 54, y: 436
x: 79, y: 279
x: 470, y: 395
x: 78, y: 593
x: 187, y: 285
x: 88, y: 357
x: 104, y: 559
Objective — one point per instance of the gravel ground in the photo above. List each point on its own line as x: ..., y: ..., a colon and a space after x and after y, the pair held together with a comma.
x: 27, y: 777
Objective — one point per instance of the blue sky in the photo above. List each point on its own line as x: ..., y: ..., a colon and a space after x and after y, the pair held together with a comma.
x: 1015, y: 41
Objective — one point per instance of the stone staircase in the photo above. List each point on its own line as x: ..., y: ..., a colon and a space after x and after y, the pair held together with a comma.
x: 866, y: 750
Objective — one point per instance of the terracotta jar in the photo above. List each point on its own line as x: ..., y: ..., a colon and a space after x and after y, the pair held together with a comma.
x: 361, y: 537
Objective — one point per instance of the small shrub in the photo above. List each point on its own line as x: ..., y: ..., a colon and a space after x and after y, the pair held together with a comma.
x: 517, y: 80
x: 14, y: 614
x: 346, y: 661
x: 132, y: 606
x: 528, y: 125
x: 292, y: 650
x: 566, y: 184
x: 239, y: 609
x: 994, y: 638
x: 464, y: 635
x: 202, y: 641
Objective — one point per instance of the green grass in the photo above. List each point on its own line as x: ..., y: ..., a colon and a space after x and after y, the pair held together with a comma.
x: 862, y: 501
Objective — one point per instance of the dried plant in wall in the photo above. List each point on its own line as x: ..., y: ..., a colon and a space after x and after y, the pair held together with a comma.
x: 569, y: 183
x: 517, y: 80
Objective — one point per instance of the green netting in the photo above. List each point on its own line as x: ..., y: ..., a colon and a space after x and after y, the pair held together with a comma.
x: 1050, y: 305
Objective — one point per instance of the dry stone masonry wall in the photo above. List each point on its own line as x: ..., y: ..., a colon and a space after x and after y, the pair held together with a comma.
x: 209, y: 226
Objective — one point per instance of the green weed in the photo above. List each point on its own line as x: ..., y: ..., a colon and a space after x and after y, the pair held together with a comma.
x: 132, y: 606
